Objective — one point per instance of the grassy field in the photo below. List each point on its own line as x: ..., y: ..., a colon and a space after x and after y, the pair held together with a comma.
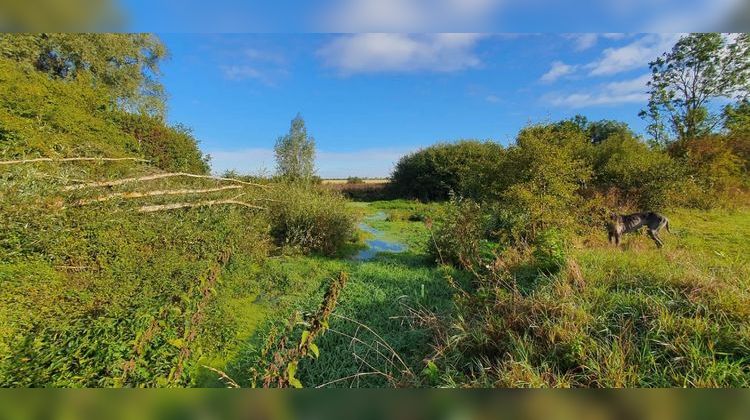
x: 632, y: 317
x: 373, y: 329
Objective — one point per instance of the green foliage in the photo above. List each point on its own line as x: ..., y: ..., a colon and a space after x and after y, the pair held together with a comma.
x: 295, y: 153
x: 173, y: 149
x: 550, y: 251
x: 436, y: 171
x: 457, y: 233
x: 737, y: 118
x: 640, y: 318
x: 700, y: 68
x: 354, y: 180
x: 124, y: 65
x: 543, y: 172
x: 596, y: 131
x: 312, y: 219
x: 643, y: 177
x: 41, y: 116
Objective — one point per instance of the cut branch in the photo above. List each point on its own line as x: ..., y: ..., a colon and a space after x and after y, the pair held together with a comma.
x: 156, y: 176
x: 173, y: 206
x: 102, y: 159
x: 155, y: 193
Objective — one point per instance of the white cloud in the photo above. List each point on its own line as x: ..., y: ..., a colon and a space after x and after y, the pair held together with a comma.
x: 385, y: 52
x: 242, y: 72
x: 633, y: 55
x: 558, y: 70
x: 614, y: 93
x: 365, y: 163
x: 492, y: 99
x: 247, y: 63
x: 584, y: 41
x: 406, y: 15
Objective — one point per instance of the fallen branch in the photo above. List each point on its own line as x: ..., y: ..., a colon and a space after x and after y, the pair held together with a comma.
x: 157, y: 176
x: 155, y: 193
x: 13, y: 162
x: 150, y: 209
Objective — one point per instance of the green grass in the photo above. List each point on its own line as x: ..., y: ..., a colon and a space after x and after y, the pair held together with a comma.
x: 635, y: 317
x: 380, y: 294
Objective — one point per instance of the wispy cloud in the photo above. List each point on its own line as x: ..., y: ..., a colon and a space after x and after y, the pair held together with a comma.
x: 584, y: 41
x: 267, y: 67
x: 558, y: 70
x: 406, y: 15
x: 385, y: 52
x: 633, y: 55
x: 613, y: 93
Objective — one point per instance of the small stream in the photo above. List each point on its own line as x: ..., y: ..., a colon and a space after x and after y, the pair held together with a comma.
x: 377, y: 244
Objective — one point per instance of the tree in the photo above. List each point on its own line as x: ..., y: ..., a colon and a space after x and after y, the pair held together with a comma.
x: 737, y: 118
x: 434, y: 172
x: 295, y: 153
x: 596, y: 131
x: 127, y: 65
x: 700, y: 68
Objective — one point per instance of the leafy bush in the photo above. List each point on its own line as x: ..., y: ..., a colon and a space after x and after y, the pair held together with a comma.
x: 354, y: 180
x: 172, y: 149
x: 550, y: 251
x: 436, y: 171
x: 309, y: 218
x: 457, y: 233
x: 544, y: 172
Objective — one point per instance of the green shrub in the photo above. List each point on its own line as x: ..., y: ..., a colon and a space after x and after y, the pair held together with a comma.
x: 544, y: 173
x: 311, y: 219
x: 550, y: 251
x: 436, y: 171
x: 354, y: 180
x: 457, y: 233
x: 172, y: 149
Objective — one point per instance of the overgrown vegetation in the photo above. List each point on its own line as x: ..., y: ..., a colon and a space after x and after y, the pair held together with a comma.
x: 112, y: 270
x: 135, y: 267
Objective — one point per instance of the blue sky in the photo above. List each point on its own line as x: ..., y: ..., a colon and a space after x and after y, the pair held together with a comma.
x: 369, y: 98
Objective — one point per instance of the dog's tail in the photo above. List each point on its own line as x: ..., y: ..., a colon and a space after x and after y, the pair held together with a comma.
x: 666, y: 225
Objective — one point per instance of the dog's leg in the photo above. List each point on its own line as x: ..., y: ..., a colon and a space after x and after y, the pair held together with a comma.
x: 652, y: 233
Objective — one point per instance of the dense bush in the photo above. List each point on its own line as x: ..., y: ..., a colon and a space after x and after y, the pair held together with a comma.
x: 459, y: 233
x: 542, y: 174
x: 436, y: 171
x: 310, y: 218
x: 172, y: 149
x: 45, y: 117
x: 550, y: 251
x: 641, y: 177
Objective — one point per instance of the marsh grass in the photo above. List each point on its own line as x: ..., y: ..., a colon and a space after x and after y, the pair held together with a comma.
x: 635, y: 317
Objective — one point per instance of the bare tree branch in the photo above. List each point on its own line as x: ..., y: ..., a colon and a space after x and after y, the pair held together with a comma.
x: 103, y: 159
x: 136, y: 194
x: 173, y: 206
x: 157, y: 176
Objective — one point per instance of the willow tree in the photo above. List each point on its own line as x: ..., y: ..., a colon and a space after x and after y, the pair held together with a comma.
x: 125, y: 65
x: 295, y: 153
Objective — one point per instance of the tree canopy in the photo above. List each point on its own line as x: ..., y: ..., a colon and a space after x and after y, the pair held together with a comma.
x: 126, y: 65
x: 295, y: 153
x: 700, y: 68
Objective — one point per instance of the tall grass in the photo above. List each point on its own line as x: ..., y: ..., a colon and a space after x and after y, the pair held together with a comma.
x: 102, y: 295
x: 638, y: 317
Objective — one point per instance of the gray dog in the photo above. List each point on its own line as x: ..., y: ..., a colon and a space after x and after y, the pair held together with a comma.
x: 621, y: 224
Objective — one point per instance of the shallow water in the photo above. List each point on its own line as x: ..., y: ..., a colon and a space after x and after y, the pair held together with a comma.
x: 378, y: 244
